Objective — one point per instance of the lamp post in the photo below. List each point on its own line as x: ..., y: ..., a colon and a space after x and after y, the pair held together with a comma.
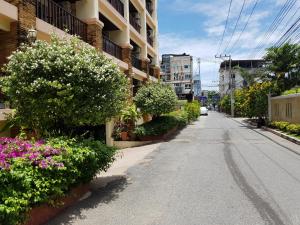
x: 31, y: 35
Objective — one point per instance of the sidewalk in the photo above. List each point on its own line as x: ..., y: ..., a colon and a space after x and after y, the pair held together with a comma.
x: 125, y: 159
x: 286, y: 141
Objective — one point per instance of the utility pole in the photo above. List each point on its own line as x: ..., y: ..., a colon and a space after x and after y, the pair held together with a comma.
x: 231, y: 82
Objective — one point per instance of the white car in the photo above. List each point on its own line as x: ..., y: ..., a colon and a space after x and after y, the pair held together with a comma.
x: 203, y: 111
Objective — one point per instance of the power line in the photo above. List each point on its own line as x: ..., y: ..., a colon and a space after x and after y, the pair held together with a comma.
x: 237, y: 21
x: 288, y: 33
x: 283, y: 15
x: 274, y: 25
x: 226, y: 24
x: 237, y: 40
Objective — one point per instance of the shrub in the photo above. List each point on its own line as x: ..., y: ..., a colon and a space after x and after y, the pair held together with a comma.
x: 156, y: 99
x: 293, y: 128
x: 292, y: 91
x: 281, y: 125
x: 158, y: 126
x: 33, y: 173
x: 193, y: 110
x: 65, y: 83
x: 181, y: 116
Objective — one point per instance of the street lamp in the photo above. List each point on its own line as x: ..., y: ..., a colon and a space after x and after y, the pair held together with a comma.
x: 31, y: 35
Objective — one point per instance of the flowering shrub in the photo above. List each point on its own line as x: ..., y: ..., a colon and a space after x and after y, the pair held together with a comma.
x: 37, y: 154
x: 32, y: 173
x: 66, y: 83
x: 156, y: 99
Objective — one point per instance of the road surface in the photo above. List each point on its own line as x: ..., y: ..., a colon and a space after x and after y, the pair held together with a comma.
x: 215, y: 172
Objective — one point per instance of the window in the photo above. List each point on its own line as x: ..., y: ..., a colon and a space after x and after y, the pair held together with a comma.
x: 187, y: 77
x: 176, y: 85
x: 175, y: 76
x: 186, y: 66
x: 288, y: 110
x: 187, y: 86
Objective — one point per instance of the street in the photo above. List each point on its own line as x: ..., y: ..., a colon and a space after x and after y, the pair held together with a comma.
x: 217, y: 171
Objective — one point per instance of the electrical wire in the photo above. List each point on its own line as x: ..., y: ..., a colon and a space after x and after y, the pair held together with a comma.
x: 225, y: 28
x: 244, y: 28
x: 274, y: 25
x: 236, y: 24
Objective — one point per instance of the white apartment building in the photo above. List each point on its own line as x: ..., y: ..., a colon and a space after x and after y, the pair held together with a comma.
x: 177, y: 70
x: 251, y: 66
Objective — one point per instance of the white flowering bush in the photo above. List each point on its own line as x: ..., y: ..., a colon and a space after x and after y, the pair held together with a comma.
x: 65, y: 83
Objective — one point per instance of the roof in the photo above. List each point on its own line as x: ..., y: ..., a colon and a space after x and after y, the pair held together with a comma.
x: 244, y: 63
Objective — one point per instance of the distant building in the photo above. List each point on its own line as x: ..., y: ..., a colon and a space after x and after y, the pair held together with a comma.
x: 251, y: 66
x: 177, y: 70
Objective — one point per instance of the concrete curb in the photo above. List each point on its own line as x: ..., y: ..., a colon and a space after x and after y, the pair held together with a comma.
x: 278, y: 133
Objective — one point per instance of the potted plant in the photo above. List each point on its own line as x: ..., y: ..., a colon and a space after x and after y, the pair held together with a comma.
x: 129, y: 117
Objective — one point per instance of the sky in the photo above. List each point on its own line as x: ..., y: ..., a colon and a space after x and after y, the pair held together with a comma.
x: 195, y: 27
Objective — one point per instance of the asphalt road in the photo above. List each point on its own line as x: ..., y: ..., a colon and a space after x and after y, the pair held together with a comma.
x: 215, y: 172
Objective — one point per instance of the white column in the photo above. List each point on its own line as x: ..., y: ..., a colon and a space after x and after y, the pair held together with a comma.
x: 109, y: 126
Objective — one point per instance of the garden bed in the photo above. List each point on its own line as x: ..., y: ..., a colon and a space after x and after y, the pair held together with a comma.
x: 40, y: 215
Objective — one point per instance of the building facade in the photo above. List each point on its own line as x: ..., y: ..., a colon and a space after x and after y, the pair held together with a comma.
x: 177, y: 71
x: 251, y: 66
x: 124, y: 30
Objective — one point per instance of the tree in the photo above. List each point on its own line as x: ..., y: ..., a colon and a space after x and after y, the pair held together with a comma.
x: 283, y: 65
x: 156, y: 99
x: 62, y: 84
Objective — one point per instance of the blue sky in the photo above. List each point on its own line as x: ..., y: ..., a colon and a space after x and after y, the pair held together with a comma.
x: 196, y: 27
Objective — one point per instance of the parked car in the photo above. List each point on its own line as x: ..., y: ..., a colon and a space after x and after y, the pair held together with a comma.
x: 203, y: 111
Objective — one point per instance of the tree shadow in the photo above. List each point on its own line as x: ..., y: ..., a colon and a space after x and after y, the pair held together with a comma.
x: 103, y: 191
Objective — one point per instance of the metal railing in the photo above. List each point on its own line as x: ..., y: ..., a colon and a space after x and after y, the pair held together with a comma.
x: 112, y: 48
x: 136, y: 62
x: 118, y: 5
x: 54, y: 14
x: 150, y: 40
x: 149, y: 7
x: 134, y: 23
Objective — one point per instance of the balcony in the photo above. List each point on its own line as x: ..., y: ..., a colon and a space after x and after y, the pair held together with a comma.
x: 136, y: 62
x: 150, y: 41
x: 149, y: 7
x: 54, y: 14
x: 112, y: 48
x: 133, y: 21
x: 118, y: 5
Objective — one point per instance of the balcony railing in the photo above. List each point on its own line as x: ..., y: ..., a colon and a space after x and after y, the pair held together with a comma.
x: 118, y: 5
x: 136, y: 62
x: 150, y: 41
x: 134, y: 23
x: 54, y: 14
x: 112, y: 48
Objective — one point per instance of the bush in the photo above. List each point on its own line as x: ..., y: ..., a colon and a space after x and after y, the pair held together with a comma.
x: 281, y: 125
x: 65, y: 83
x: 181, y: 116
x: 158, y: 126
x: 156, y: 99
x: 293, y: 128
x: 292, y: 91
x: 38, y: 172
x: 193, y: 110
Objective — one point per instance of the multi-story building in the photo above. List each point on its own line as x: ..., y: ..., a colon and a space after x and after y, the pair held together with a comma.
x: 251, y: 66
x: 124, y: 30
x: 177, y: 70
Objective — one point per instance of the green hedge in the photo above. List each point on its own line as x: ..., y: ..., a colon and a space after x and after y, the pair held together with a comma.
x: 160, y: 125
x: 287, y: 127
x: 193, y: 110
x: 45, y: 172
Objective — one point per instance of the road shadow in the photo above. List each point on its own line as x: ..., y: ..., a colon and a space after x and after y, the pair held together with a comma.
x: 99, y: 195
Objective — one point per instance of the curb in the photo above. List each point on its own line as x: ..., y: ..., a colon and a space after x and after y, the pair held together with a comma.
x: 278, y: 133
